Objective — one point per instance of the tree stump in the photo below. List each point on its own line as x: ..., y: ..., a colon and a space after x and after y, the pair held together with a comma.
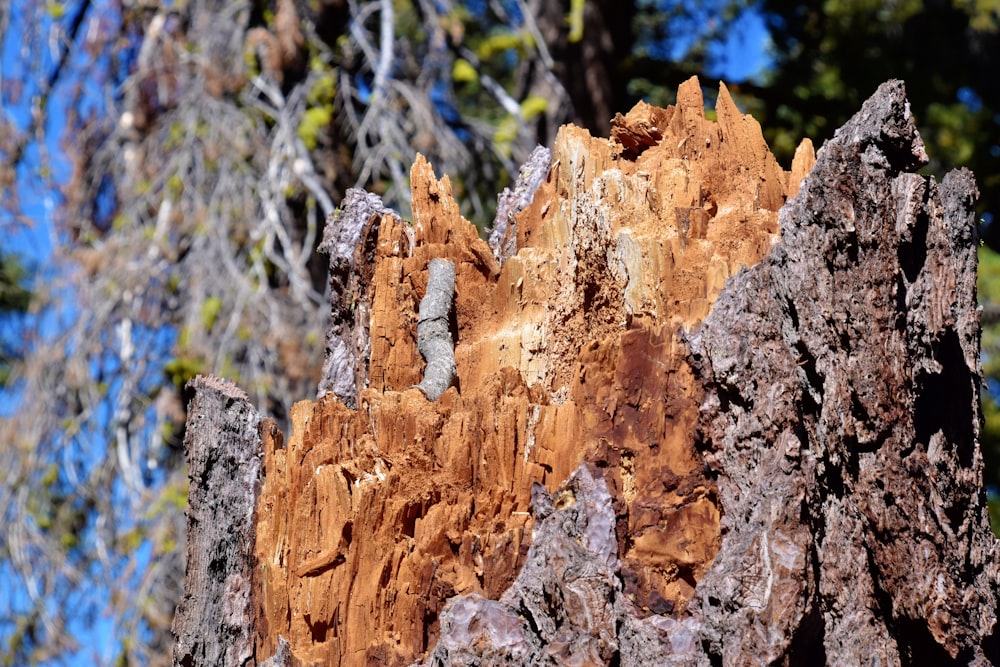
x: 706, y: 412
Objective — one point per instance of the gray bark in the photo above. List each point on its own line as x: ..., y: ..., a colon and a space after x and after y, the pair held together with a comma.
x: 534, y: 171
x: 842, y: 419
x: 349, y: 238
x: 567, y: 606
x: 215, y: 621
x: 434, y: 339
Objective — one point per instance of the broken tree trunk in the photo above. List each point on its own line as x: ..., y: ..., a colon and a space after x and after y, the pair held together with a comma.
x: 684, y: 429
x: 214, y: 624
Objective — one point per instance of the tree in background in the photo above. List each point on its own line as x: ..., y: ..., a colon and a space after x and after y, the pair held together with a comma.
x: 829, y: 57
x: 205, y: 142
x: 15, y: 298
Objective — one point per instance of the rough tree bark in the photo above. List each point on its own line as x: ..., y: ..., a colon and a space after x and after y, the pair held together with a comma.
x: 686, y: 429
x: 214, y: 622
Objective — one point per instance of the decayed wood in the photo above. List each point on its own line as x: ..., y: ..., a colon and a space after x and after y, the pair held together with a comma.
x: 567, y: 351
x: 684, y: 431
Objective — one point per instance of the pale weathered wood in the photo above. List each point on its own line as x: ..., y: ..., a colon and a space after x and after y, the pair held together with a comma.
x: 215, y: 622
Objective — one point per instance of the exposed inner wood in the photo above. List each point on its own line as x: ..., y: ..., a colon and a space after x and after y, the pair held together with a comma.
x: 372, y: 518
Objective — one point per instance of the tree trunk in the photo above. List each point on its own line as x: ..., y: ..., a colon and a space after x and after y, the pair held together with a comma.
x: 684, y: 430
x: 589, y: 47
x: 214, y: 623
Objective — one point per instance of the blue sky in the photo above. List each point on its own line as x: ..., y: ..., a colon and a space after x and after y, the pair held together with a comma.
x: 32, y: 238
x: 744, y: 54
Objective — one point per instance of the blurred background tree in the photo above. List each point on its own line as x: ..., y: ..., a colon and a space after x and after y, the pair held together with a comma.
x: 169, y: 165
x: 15, y: 298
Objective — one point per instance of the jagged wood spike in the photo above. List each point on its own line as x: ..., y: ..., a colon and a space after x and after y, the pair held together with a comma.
x: 503, y: 234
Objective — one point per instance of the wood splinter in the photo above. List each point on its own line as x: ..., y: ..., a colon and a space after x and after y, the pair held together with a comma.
x: 433, y: 334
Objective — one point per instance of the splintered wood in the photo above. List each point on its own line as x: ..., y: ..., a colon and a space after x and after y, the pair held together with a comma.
x: 370, y: 519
